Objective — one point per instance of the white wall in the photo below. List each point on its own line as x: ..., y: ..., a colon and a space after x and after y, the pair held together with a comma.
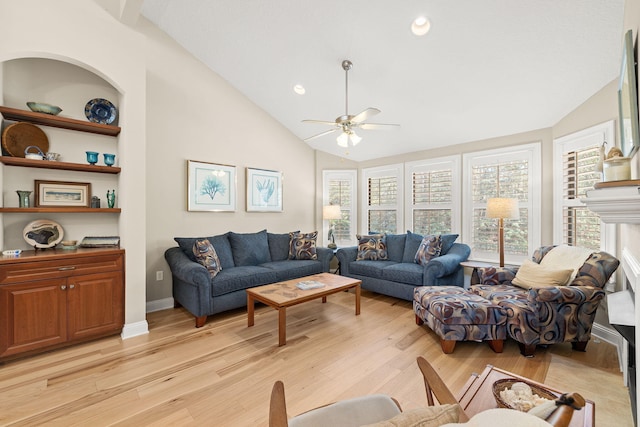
x: 192, y: 113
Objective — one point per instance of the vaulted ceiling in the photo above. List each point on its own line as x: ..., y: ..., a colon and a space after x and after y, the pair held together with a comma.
x: 486, y: 68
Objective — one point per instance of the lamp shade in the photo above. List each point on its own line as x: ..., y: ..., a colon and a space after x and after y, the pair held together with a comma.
x: 500, y: 207
x: 331, y: 212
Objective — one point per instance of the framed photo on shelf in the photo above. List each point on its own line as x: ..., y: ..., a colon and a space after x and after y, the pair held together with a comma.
x: 211, y: 187
x: 62, y: 194
x: 264, y: 190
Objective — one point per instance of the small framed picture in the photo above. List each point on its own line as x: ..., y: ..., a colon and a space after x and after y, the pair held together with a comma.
x: 211, y: 187
x: 264, y: 190
x: 62, y: 194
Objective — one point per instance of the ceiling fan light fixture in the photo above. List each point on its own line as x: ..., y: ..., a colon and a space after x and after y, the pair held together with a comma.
x: 343, y: 140
x: 420, y: 26
x: 355, y: 139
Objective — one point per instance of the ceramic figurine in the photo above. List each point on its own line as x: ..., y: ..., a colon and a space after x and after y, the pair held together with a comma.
x: 111, y: 198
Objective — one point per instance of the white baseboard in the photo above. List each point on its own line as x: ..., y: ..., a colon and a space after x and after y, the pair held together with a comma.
x: 612, y: 337
x: 131, y: 330
x: 159, y: 304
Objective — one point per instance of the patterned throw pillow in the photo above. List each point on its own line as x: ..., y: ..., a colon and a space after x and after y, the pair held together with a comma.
x: 302, y: 246
x: 372, y: 247
x: 430, y: 247
x: 206, y: 255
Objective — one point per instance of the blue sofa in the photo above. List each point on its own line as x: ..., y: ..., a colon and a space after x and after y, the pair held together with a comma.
x: 400, y: 274
x: 247, y: 260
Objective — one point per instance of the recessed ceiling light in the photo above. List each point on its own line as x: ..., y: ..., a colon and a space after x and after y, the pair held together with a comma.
x: 299, y: 89
x: 420, y: 26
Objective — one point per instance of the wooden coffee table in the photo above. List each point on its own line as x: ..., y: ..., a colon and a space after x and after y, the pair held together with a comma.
x: 286, y: 294
x: 477, y: 396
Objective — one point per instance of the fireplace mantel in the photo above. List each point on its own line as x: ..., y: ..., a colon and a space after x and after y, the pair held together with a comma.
x: 615, y: 205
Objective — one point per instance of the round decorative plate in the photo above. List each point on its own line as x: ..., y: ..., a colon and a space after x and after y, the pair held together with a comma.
x: 43, y: 233
x: 101, y: 111
x: 18, y: 136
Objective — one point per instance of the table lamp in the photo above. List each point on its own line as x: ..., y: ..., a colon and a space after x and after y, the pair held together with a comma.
x: 502, y: 208
x: 331, y: 212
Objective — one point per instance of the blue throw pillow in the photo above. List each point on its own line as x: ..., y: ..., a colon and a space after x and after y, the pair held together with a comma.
x: 395, y: 246
x: 250, y: 248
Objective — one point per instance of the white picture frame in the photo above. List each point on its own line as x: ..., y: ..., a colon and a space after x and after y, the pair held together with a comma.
x: 211, y: 187
x: 264, y: 190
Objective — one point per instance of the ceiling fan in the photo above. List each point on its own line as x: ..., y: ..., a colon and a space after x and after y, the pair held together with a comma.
x: 348, y: 123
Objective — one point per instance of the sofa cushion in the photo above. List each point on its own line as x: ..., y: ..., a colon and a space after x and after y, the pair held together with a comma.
x: 532, y: 275
x: 410, y: 274
x: 371, y: 247
x: 219, y: 242
x: 369, y: 268
x: 249, y: 248
x: 395, y: 246
x: 239, y: 278
x: 411, y: 245
x: 292, y: 269
x: 429, y: 248
x: 428, y: 416
x: 447, y: 241
x: 206, y: 255
x: 303, y: 245
x: 278, y: 246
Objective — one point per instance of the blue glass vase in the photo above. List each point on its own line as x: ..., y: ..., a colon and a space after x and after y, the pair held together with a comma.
x: 92, y: 157
x: 109, y: 159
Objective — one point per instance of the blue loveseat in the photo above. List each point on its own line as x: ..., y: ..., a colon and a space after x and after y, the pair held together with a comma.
x: 400, y: 274
x: 247, y: 260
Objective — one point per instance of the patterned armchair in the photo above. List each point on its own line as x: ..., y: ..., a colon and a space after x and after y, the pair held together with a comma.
x: 553, y: 314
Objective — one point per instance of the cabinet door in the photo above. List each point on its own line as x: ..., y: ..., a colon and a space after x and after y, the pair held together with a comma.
x: 95, y: 304
x: 32, y: 315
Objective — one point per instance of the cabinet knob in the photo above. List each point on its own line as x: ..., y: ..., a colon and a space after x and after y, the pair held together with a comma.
x: 63, y: 287
x: 72, y: 267
x: 72, y: 286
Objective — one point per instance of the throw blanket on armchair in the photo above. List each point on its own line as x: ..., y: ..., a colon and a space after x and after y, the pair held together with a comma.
x: 566, y: 257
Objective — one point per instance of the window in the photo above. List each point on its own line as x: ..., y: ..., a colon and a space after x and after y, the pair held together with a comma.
x: 433, y: 193
x: 575, y: 171
x: 339, y: 188
x: 382, y: 197
x: 512, y: 172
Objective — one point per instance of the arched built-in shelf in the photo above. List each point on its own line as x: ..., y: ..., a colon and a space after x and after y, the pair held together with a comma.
x: 16, y: 114
x: 46, y: 164
x: 63, y: 209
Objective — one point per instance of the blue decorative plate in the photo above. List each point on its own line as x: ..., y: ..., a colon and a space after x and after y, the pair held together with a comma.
x: 101, y: 111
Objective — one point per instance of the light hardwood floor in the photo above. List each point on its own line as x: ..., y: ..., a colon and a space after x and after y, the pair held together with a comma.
x: 222, y: 374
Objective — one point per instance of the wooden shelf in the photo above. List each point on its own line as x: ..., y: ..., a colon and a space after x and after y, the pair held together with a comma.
x: 58, y: 122
x: 60, y: 210
x: 46, y: 164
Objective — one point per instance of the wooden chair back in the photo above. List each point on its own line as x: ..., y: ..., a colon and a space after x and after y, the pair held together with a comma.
x: 435, y: 387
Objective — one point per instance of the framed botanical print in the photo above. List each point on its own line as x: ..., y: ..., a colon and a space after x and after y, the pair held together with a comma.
x: 264, y: 190
x: 211, y: 187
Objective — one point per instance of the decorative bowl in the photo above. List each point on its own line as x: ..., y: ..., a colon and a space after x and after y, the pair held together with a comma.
x: 41, y: 107
x: 507, y: 384
x: 69, y: 242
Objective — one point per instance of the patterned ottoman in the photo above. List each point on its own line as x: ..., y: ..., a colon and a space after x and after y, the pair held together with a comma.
x: 458, y: 315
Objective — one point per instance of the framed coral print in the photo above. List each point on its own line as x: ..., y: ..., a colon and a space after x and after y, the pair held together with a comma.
x: 264, y: 190
x: 211, y: 187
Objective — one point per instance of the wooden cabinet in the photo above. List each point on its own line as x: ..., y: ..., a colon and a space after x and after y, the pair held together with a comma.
x: 53, y: 297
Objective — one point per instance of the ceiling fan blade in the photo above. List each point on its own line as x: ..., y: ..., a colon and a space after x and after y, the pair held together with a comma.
x: 321, y: 122
x: 378, y: 126
x: 364, y: 115
x: 320, y: 134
